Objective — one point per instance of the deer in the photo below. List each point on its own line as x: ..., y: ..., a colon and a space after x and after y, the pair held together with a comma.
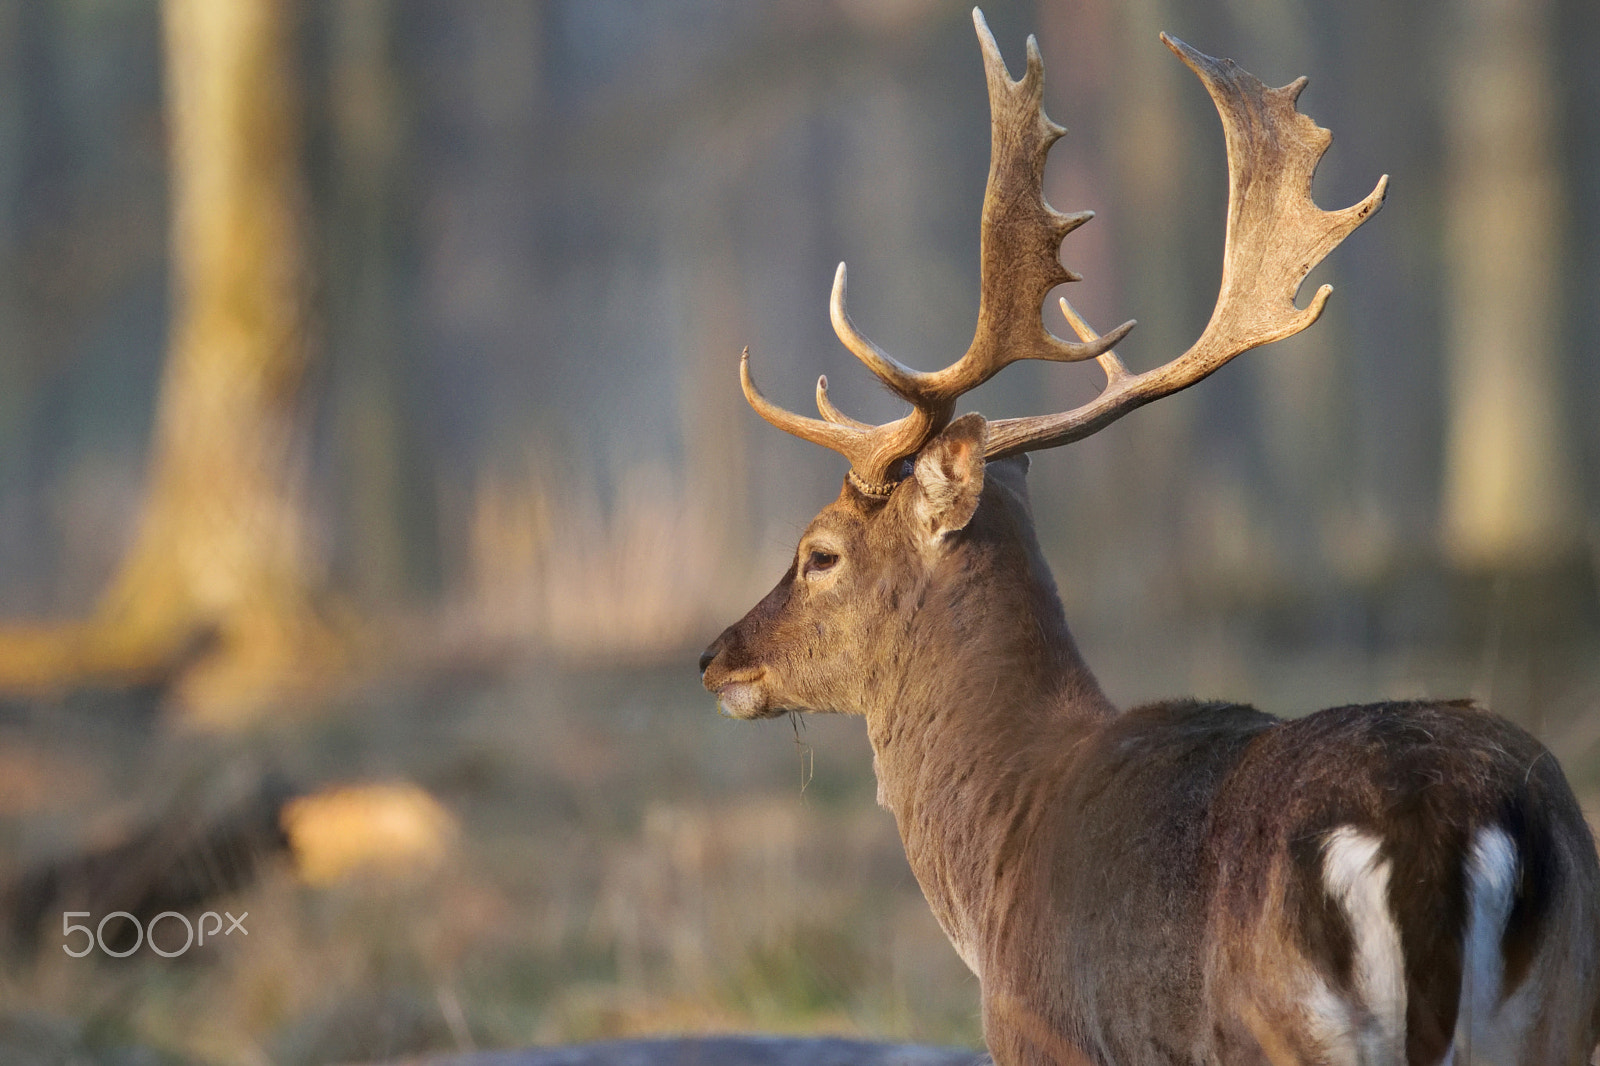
x: 1186, y: 881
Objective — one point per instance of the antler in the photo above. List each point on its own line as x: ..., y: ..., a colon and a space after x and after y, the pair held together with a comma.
x: 1020, y: 263
x: 1276, y: 235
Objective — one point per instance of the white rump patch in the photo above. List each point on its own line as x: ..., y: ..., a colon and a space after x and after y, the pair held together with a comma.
x: 1488, y: 1031
x: 1358, y: 879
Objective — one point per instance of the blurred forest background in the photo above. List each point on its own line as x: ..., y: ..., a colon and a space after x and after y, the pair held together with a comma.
x: 373, y: 467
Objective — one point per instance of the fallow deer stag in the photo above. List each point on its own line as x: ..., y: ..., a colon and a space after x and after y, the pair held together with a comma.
x: 1184, y: 882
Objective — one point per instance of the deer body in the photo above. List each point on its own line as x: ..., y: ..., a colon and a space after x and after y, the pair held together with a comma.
x: 1185, y: 882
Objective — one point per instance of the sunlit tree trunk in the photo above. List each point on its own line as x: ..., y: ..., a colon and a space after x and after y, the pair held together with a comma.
x: 218, y: 562
x: 1509, y: 488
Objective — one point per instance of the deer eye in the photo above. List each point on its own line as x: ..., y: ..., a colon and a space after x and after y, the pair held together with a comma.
x: 819, y: 560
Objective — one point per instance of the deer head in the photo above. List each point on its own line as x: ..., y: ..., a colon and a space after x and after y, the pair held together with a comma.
x: 929, y: 521
x: 880, y: 585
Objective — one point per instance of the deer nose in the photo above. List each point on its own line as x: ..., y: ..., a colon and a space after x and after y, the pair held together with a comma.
x: 716, y: 648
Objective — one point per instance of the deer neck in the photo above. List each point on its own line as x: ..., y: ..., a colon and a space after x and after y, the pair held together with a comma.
x: 977, y: 725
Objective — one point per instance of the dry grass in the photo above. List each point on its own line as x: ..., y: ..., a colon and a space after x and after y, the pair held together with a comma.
x: 624, y: 862
x: 549, y: 564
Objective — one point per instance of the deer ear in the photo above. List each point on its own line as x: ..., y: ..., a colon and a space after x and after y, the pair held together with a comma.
x: 949, y: 476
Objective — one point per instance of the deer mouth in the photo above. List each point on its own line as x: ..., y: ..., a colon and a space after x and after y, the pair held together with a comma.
x: 744, y: 696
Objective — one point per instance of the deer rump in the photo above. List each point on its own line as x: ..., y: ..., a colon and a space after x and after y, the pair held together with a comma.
x: 1389, y: 883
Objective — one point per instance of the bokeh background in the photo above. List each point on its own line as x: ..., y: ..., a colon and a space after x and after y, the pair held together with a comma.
x: 373, y: 468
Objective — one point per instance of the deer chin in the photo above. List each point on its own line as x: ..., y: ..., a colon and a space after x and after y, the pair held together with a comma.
x: 746, y: 698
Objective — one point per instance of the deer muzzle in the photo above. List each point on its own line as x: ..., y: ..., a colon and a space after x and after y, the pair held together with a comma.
x: 740, y: 686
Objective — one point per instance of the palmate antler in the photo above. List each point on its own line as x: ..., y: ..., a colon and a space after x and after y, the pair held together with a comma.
x: 1020, y: 246
x: 1276, y: 235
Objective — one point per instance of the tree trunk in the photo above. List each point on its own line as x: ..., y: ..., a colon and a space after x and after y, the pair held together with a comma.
x: 1509, y: 485
x: 216, y: 578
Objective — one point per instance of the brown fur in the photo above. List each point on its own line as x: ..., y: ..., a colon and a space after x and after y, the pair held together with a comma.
x: 1144, y: 886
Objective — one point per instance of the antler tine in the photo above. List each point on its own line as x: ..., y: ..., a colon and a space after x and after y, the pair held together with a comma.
x: 832, y: 413
x: 827, y: 434
x: 873, y: 451
x: 1276, y: 235
x: 900, y: 378
x: 1109, y: 361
